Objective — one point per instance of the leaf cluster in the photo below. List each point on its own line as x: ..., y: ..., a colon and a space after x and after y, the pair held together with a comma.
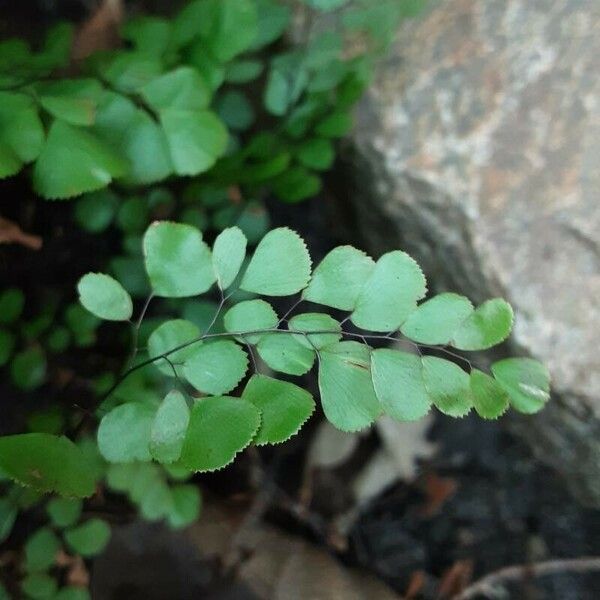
x: 385, y: 302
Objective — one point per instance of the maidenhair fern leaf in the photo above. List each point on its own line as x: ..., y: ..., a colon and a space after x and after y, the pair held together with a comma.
x: 436, y: 320
x: 284, y: 408
x: 339, y: 278
x: 487, y: 326
x: 229, y: 251
x: 196, y: 138
x: 47, y: 463
x: 280, y: 265
x: 347, y: 394
x: 317, y: 322
x: 489, y: 398
x: 88, y: 539
x: 250, y: 315
x: 390, y: 294
x: 124, y: 433
x: 526, y: 381
x: 170, y: 335
x: 220, y: 427
x: 399, y: 385
x: 182, y: 88
x: 169, y: 427
x: 356, y: 383
x: 216, y: 367
x: 448, y: 386
x: 284, y: 353
x: 178, y: 261
x: 104, y: 297
x: 74, y: 161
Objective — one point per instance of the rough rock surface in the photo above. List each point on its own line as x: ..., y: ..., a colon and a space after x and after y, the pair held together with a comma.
x: 478, y: 150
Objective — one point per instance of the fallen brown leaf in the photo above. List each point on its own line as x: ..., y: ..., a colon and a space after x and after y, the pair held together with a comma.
x: 100, y: 31
x: 11, y: 233
x: 456, y: 578
x: 437, y: 491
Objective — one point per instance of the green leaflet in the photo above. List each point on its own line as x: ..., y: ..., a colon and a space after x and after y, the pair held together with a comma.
x: 124, y: 433
x: 41, y: 549
x: 235, y: 110
x: 169, y: 336
x: 284, y: 353
x: 21, y: 132
x: 178, y: 262
x: 280, y: 265
x: 346, y: 388
x: 74, y: 161
x: 526, y: 381
x: 399, y: 385
x: 436, y: 320
x: 88, y: 539
x: 104, y: 297
x: 229, y: 251
x: 72, y: 593
x: 216, y: 367
x: 169, y: 427
x: 64, y: 512
x: 316, y: 322
x: 151, y: 35
x: 71, y: 100
x: 272, y: 20
x: 39, y: 586
x: 296, y: 184
x: 7, y: 345
x: 220, y: 427
x: 12, y: 301
x: 233, y: 29
x: 182, y: 88
x: 8, y: 516
x: 28, y: 369
x: 487, y: 326
x: 448, y: 386
x: 284, y: 408
x: 196, y: 139
x: 250, y: 315
x: 390, y: 294
x: 316, y: 153
x: 134, y: 134
x: 339, y: 278
x: 186, y: 504
x: 47, y: 463
x: 489, y: 398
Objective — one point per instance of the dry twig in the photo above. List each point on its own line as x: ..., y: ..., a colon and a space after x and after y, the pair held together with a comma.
x: 488, y: 585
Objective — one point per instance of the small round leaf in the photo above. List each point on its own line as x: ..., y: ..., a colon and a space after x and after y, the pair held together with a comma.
x: 526, y: 381
x: 229, y: 251
x: 448, y: 386
x: 436, y: 320
x: 105, y: 297
x: 220, y: 427
x: 216, y: 367
x: 88, y: 539
x: 124, y: 433
x: 339, y: 278
x: 250, y: 315
x: 280, y: 265
x: 178, y: 262
x: 489, y: 325
x: 347, y: 393
x: 399, y: 385
x: 284, y: 408
x: 169, y: 427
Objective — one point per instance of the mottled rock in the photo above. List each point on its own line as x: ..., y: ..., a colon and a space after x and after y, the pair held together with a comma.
x: 478, y: 150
